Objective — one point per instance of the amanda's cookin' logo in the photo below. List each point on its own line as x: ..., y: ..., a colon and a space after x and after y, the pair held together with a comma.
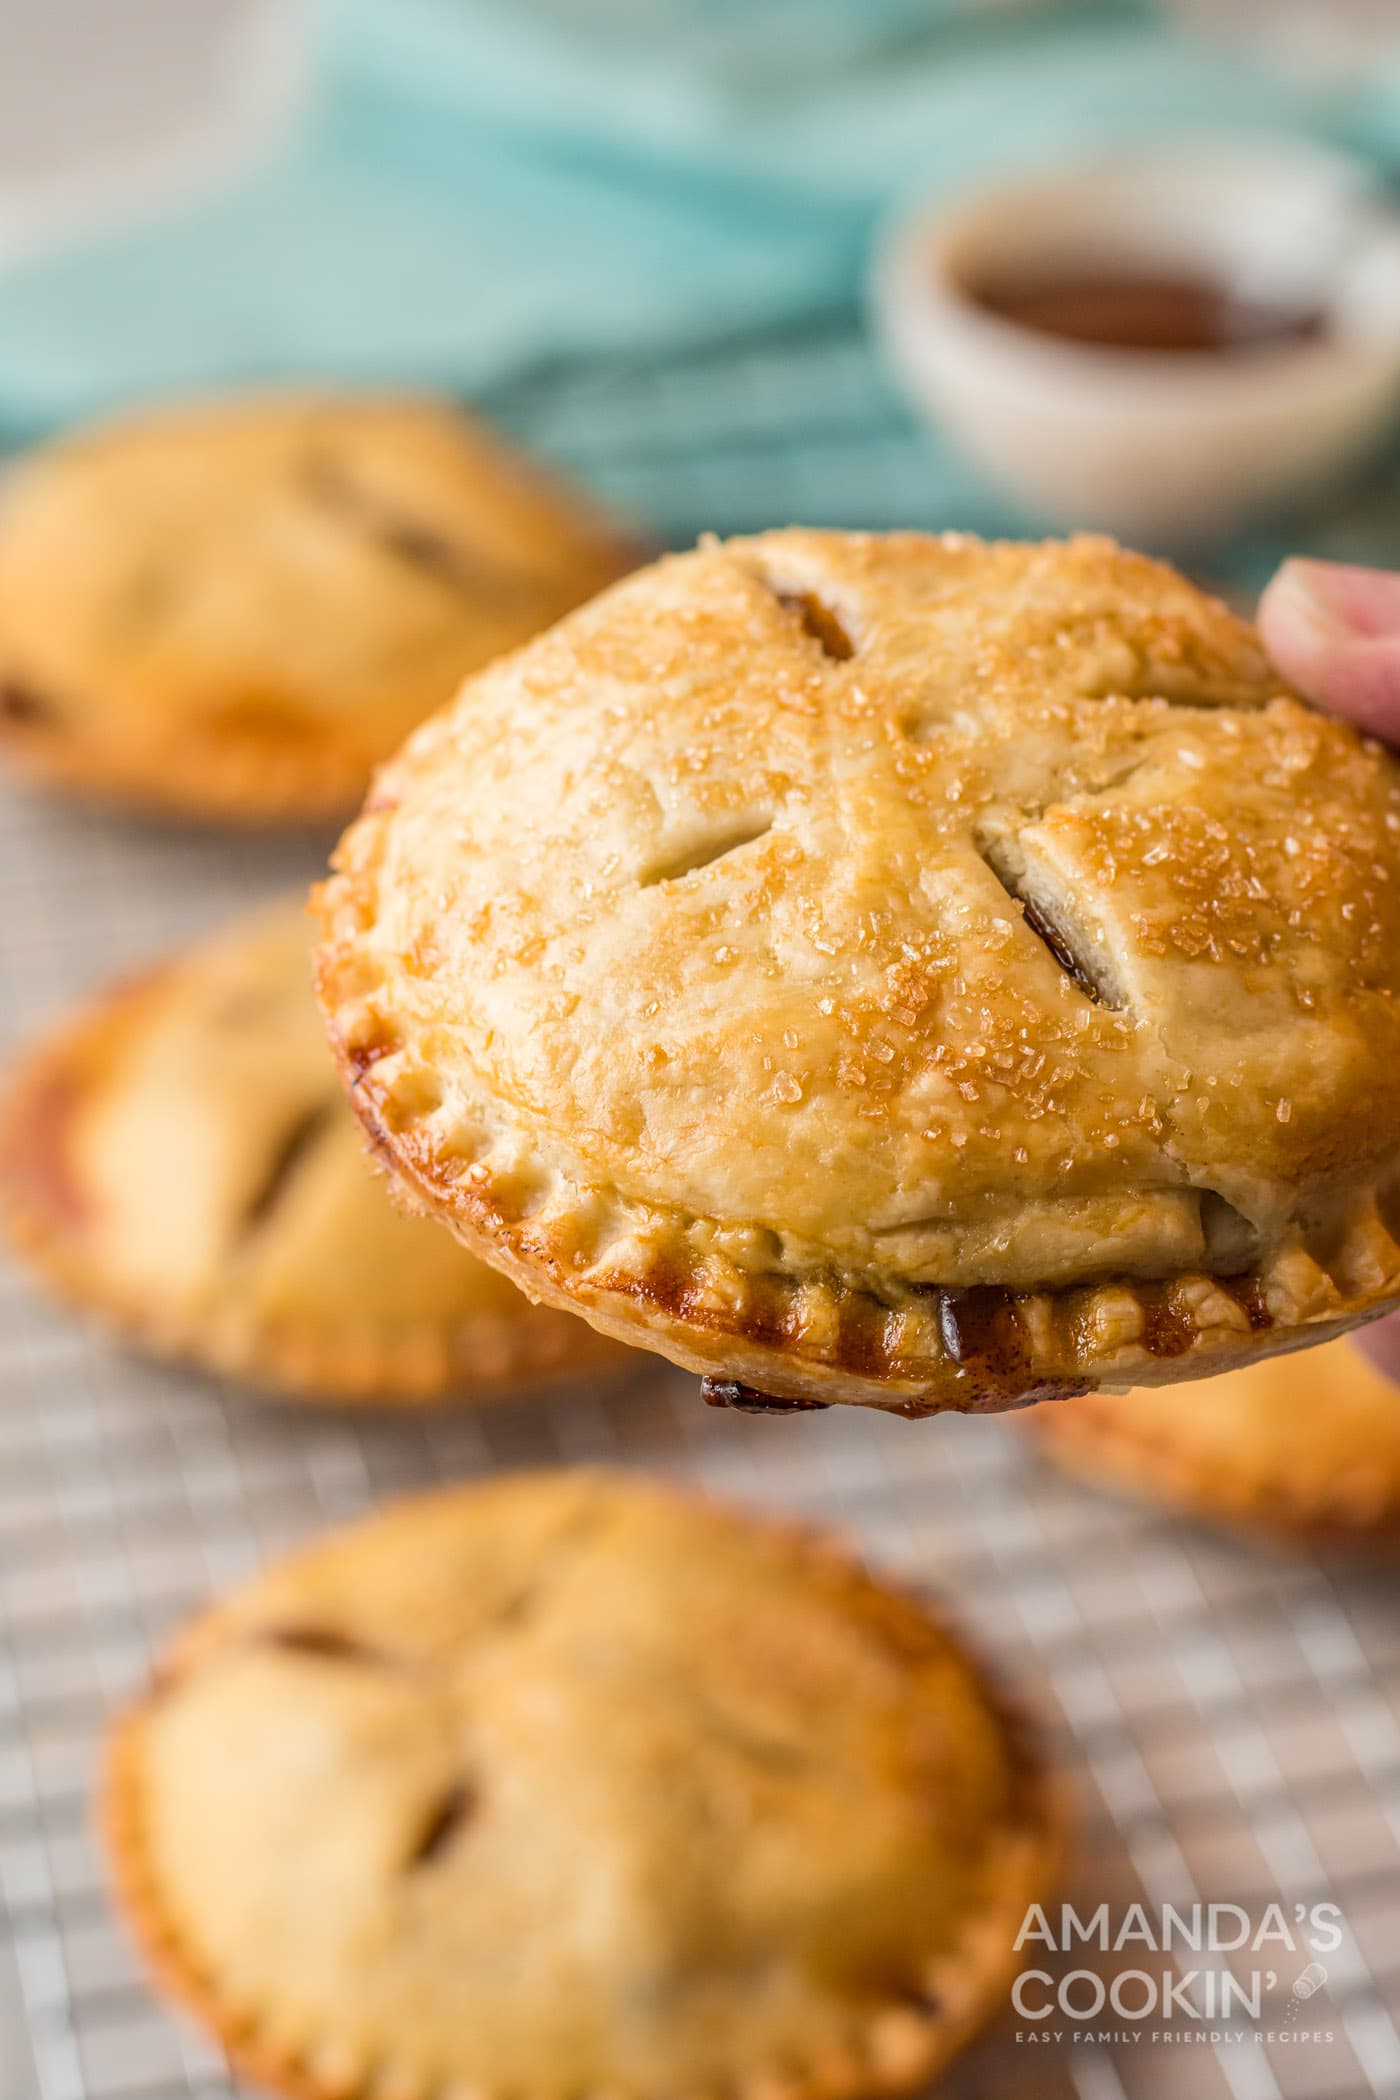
x: 1284, y: 1949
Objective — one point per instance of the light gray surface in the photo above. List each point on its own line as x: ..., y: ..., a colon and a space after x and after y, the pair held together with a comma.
x: 108, y: 106
x: 85, y: 80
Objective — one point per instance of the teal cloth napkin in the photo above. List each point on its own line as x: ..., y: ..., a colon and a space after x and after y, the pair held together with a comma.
x: 637, y: 232
x: 475, y: 185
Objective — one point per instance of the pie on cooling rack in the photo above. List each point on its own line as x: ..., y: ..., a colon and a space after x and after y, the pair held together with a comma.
x: 1302, y: 1449
x: 569, y: 1785
x: 179, y: 1160
x: 895, y: 970
x: 234, y: 609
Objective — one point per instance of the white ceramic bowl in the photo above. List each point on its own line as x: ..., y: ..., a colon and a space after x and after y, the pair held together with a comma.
x: 1164, y: 447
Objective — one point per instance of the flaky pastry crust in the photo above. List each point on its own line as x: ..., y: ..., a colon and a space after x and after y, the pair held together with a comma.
x: 569, y: 1785
x: 234, y: 609
x: 178, y: 1160
x: 890, y: 969
x: 1299, y: 1450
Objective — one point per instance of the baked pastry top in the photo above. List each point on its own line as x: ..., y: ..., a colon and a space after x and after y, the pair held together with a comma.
x: 235, y: 608
x: 900, y: 970
x: 1303, y: 1447
x: 569, y: 1785
x: 179, y: 1160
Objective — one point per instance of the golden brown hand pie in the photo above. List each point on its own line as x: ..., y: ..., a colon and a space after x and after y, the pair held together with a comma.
x: 894, y: 970
x: 179, y: 1160
x: 234, y: 609
x: 566, y: 1785
x: 1302, y: 1448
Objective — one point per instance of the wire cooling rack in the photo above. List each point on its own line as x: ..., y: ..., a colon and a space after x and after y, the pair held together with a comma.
x: 799, y: 424
x: 1229, y: 1724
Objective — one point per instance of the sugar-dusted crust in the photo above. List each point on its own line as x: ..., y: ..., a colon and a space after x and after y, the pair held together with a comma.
x: 177, y: 1160
x: 793, y: 1823
x: 234, y: 609
x: 892, y: 970
x: 1297, y: 1450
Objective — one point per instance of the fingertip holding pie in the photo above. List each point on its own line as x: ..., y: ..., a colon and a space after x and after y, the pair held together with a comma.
x: 894, y: 970
x: 568, y: 1785
x: 233, y: 609
x: 178, y: 1161
x: 1300, y: 1450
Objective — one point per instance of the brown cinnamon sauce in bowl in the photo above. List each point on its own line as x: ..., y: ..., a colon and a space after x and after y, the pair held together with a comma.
x: 1158, y: 311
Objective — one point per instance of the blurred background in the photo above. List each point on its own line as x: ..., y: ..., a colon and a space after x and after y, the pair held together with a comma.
x: 1001, y: 265
x: 647, y: 234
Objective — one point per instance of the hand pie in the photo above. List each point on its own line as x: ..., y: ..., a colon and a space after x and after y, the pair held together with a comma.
x: 1303, y: 1449
x: 180, y: 1161
x: 568, y: 1786
x: 234, y: 609
x: 894, y: 970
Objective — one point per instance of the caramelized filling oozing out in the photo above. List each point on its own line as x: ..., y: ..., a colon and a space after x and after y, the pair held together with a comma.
x: 323, y: 1641
x: 448, y: 1817
x: 1006, y: 860
x: 818, y: 620
x: 728, y: 1392
x: 298, y: 1143
x: 21, y: 705
x: 411, y: 540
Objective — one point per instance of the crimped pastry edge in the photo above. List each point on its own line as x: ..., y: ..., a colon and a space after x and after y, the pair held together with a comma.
x: 1159, y: 1470
x: 664, y: 1284
x: 908, y: 2046
x: 297, y: 1363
